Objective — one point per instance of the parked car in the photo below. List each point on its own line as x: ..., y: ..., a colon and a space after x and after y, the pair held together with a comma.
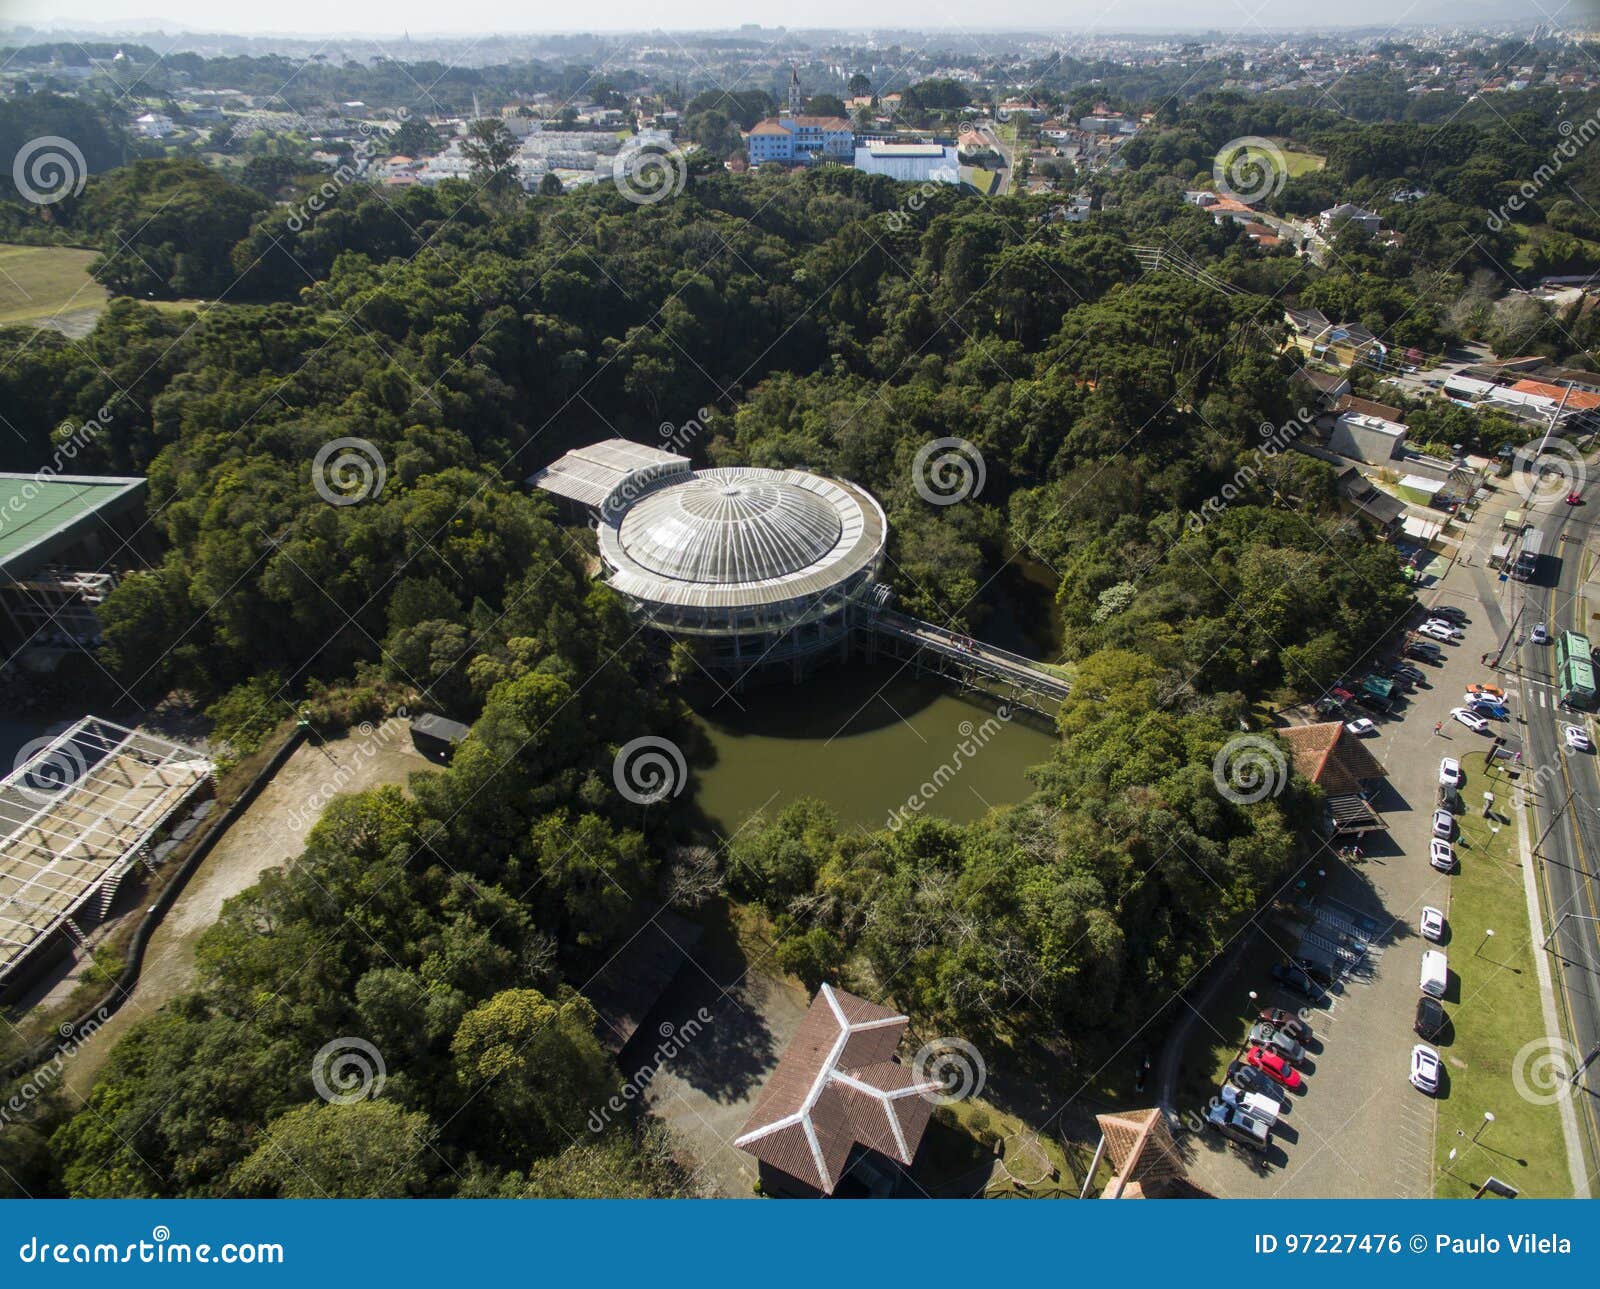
x: 1261, y: 1104
x: 1470, y: 719
x: 1424, y: 1069
x: 1410, y: 673
x: 1422, y: 650
x: 1274, y: 1067
x: 1321, y: 972
x: 1288, y: 1022
x: 1431, y: 1019
x: 1239, y: 1125
x: 1291, y: 977
x: 1441, y: 856
x: 1444, y: 824
x: 1451, y: 613
x: 1361, y: 727
x: 1431, y: 924
x: 1484, y: 706
x: 1448, y: 625
x: 1438, y: 631
x: 1493, y: 691
x: 1450, y: 772
x: 1263, y: 1035
x: 1577, y: 738
x: 1540, y: 635
x: 1250, y: 1079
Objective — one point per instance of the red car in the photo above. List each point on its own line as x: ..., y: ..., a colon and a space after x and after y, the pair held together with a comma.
x: 1274, y: 1067
x: 1574, y: 499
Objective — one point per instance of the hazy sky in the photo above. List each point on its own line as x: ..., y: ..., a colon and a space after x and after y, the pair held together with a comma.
x: 474, y: 16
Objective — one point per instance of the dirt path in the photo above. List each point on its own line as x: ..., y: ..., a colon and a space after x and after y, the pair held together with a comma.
x: 269, y: 834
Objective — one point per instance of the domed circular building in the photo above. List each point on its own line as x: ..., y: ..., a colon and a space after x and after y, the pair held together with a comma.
x: 757, y: 566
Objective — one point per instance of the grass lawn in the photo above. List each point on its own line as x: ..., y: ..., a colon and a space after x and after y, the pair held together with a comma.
x: 1528, y: 234
x: 39, y: 282
x: 1300, y: 163
x: 1495, y: 1009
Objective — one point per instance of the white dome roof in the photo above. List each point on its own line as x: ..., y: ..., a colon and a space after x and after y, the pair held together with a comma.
x: 726, y: 526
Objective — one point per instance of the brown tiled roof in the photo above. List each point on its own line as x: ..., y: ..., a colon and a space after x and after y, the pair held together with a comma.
x: 1143, y: 1154
x: 835, y: 1087
x: 1330, y: 757
x: 1350, y: 403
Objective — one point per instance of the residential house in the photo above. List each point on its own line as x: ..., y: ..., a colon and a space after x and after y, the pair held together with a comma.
x: 154, y: 125
x: 1384, y: 511
x: 1346, y: 213
x: 1371, y: 439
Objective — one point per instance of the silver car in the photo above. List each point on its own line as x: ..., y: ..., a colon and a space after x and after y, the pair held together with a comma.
x: 1264, y: 1035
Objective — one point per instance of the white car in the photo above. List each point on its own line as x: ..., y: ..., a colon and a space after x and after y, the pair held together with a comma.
x: 1424, y: 1069
x: 1432, y: 924
x: 1540, y: 635
x: 1470, y: 719
x: 1438, y: 631
x: 1577, y: 738
x: 1441, y: 856
x: 1454, y: 628
x: 1256, y: 1103
x: 1450, y: 773
x: 1443, y: 824
x: 1361, y: 727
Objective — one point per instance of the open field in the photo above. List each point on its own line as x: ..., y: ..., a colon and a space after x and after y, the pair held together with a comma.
x: 42, y: 284
x: 1497, y: 1030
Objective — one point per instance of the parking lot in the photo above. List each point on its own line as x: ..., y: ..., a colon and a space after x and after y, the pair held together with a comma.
x: 1358, y: 1127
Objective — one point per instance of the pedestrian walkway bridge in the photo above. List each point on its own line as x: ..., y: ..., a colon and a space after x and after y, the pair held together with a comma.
x: 1020, y: 680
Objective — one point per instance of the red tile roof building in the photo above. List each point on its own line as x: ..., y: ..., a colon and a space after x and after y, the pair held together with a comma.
x: 837, y: 1088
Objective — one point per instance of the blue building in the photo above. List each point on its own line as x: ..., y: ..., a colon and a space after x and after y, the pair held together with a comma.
x: 801, y: 140
x: 913, y: 162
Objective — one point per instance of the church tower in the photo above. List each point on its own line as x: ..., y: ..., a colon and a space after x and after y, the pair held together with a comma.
x: 794, y: 92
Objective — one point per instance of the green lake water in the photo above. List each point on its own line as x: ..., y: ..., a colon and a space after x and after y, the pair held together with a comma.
x: 865, y: 740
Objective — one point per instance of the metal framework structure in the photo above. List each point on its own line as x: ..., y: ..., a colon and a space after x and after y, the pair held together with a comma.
x: 74, y: 817
x: 1020, y: 681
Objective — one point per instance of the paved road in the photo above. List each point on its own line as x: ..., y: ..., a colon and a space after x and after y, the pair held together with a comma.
x: 994, y: 140
x: 1568, y: 793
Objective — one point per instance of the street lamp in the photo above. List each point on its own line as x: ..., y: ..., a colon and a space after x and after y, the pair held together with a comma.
x: 1488, y: 1118
x: 1251, y: 1006
x: 1488, y: 934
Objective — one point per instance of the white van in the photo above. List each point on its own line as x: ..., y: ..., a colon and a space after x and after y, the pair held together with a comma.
x: 1435, y: 973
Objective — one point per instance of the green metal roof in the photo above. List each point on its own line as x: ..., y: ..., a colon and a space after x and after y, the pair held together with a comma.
x: 34, y: 508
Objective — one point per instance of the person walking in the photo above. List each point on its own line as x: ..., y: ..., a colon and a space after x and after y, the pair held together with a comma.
x: 1438, y: 726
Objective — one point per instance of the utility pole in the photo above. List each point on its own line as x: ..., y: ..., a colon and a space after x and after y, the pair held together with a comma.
x: 1538, y: 844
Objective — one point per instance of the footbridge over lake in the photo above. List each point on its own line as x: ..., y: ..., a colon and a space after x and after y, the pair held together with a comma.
x: 1018, y: 680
